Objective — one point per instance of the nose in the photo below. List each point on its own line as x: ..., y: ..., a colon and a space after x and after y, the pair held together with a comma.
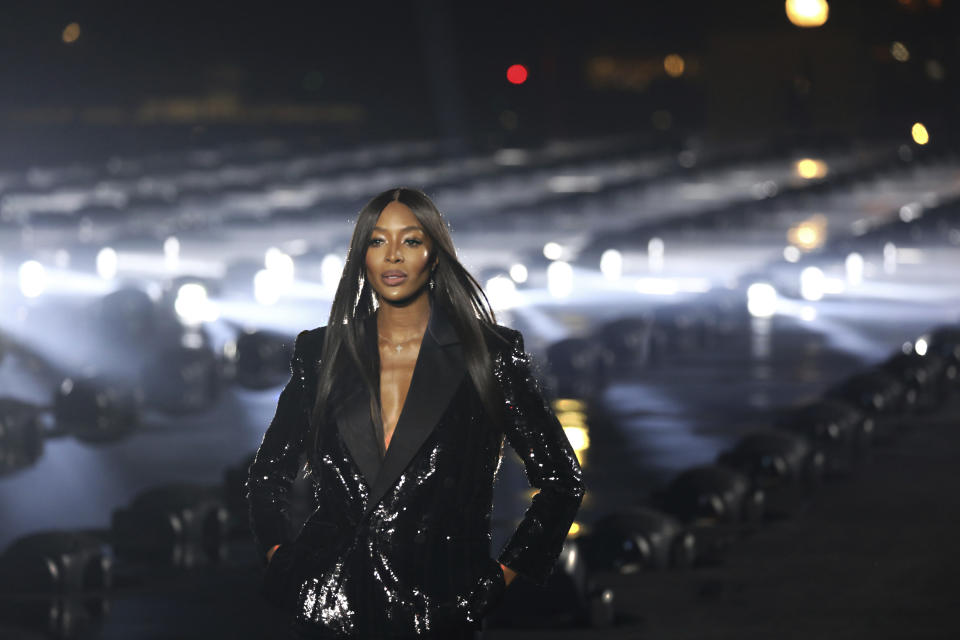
x: 393, y: 255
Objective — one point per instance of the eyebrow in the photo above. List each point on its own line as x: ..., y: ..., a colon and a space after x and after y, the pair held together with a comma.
x: 404, y: 229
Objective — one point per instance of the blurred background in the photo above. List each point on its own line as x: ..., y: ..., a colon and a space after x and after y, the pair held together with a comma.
x: 729, y: 231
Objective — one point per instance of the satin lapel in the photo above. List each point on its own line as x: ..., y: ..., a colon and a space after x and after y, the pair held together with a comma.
x: 436, y: 376
x: 356, y: 429
x: 354, y: 421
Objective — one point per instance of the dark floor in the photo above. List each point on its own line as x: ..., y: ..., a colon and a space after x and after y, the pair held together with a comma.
x: 872, y: 556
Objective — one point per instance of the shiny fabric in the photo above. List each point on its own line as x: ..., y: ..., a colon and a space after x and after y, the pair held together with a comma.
x: 399, y: 545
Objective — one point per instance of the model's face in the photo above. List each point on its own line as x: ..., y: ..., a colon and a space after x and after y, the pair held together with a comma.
x: 398, y: 245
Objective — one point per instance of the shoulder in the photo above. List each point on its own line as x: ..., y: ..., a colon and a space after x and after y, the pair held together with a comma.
x: 503, y: 339
x: 310, y: 341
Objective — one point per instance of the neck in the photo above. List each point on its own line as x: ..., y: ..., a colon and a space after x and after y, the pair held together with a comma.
x: 403, y: 322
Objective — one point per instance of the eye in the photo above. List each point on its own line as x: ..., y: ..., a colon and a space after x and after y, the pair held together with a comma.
x: 373, y: 241
x: 414, y: 241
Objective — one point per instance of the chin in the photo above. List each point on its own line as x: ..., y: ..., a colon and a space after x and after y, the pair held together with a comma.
x: 403, y: 296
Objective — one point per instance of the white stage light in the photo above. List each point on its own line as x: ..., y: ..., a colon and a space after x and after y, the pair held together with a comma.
x: 192, y: 305
x: 761, y: 300
x: 791, y: 253
x: 655, y: 254
x: 552, y: 251
x: 281, y: 266
x: 171, y: 252
x: 33, y: 279
x: 501, y: 292
x: 266, y: 289
x: 331, y: 268
x: 107, y: 263
x: 277, y: 260
x: 519, y: 273
x: 611, y: 264
x: 657, y: 286
x: 890, y: 258
x: 559, y: 279
x: 812, y: 283
x: 854, y: 267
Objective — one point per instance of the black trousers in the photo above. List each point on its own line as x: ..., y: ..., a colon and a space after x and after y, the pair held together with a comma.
x: 307, y: 631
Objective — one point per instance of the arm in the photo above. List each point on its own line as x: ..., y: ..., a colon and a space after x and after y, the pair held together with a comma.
x: 277, y: 462
x: 551, y: 465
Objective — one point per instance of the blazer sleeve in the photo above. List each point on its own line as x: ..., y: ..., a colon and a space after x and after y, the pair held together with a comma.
x: 277, y: 460
x: 535, y: 433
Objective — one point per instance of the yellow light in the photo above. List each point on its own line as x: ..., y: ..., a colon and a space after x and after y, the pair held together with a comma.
x: 808, y: 168
x: 806, y: 236
x: 809, y: 234
x: 899, y: 52
x: 71, y: 32
x: 919, y: 133
x: 574, y: 530
x: 807, y: 13
x: 569, y: 404
x: 572, y: 418
x: 674, y: 65
x: 578, y: 437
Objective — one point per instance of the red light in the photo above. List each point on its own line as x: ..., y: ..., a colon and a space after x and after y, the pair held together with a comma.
x: 517, y: 74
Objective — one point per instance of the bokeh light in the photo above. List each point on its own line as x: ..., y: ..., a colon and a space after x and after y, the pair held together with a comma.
x: 516, y: 74
x: 761, y: 300
x: 552, y: 251
x: 807, y: 13
x: 611, y: 264
x: 193, y: 306
x: 71, y: 33
x: 107, y: 263
x: 812, y: 283
x: 559, y: 279
x: 33, y: 279
x: 674, y: 65
x: 808, y: 168
x: 899, y: 52
x: 518, y: 272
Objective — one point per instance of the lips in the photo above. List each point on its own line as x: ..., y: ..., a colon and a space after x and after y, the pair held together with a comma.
x: 393, y: 278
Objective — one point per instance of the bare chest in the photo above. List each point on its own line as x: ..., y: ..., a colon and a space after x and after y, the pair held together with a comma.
x: 396, y: 374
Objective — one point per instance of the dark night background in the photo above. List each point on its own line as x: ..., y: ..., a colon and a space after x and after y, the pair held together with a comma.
x: 349, y: 71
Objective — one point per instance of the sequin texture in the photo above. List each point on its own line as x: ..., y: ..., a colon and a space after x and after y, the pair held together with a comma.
x: 406, y: 549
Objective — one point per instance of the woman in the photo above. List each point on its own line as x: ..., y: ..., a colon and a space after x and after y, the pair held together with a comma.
x: 400, y: 406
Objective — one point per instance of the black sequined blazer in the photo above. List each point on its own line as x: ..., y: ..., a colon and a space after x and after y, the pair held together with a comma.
x: 400, y: 544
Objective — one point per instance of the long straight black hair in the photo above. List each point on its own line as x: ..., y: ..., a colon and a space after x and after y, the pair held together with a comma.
x: 346, y: 345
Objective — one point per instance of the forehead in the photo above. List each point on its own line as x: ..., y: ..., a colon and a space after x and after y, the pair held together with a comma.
x: 397, y: 216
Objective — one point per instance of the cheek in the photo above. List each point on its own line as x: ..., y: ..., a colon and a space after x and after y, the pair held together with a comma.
x: 424, y: 260
x: 368, y: 270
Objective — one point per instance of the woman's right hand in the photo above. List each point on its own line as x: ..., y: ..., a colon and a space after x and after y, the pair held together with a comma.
x: 271, y: 552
